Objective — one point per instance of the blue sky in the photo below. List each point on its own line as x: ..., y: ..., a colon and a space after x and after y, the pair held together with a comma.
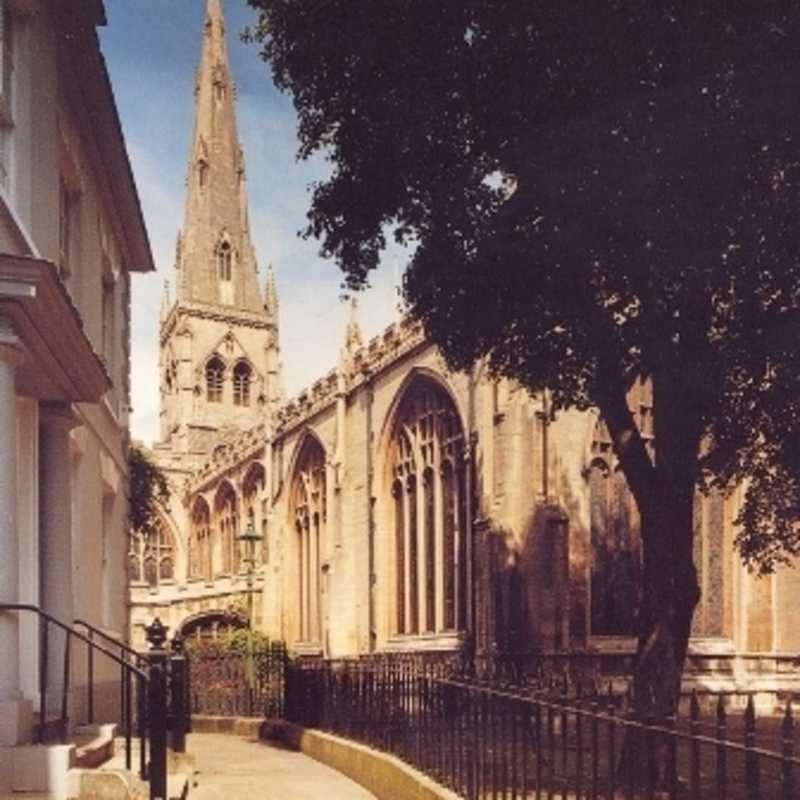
x: 152, y: 48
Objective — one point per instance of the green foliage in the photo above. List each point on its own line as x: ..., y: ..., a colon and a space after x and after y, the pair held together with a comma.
x: 239, y: 641
x: 590, y: 195
x: 148, y: 490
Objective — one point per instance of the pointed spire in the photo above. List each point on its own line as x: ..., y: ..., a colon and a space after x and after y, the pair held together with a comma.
x: 218, y: 256
x: 352, y: 337
x: 271, y: 293
x: 166, y: 302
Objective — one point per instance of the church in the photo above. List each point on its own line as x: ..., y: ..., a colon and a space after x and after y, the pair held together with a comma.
x: 398, y: 507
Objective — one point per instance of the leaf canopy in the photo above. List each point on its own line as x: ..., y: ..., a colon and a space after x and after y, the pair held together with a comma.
x: 592, y: 194
x: 148, y: 490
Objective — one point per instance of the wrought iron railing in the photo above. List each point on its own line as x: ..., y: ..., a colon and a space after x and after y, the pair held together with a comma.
x: 238, y: 683
x: 156, y: 679
x: 516, y: 741
x: 129, y: 674
x: 132, y: 693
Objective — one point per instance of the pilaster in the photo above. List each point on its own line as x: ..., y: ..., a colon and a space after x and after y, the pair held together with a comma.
x: 56, y: 420
x: 15, y: 713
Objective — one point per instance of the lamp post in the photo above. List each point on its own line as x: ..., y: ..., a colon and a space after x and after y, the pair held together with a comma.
x: 250, y: 537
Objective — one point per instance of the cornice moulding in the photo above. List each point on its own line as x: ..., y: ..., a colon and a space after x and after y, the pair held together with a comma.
x: 60, y: 364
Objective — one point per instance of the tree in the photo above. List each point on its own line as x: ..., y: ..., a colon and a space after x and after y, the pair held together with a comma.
x: 592, y: 195
x: 148, y: 491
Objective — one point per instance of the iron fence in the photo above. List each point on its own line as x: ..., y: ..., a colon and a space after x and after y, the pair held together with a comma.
x: 492, y: 740
x: 238, y: 684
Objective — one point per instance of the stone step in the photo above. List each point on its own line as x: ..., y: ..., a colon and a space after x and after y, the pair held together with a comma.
x: 106, y: 784
x: 180, y: 768
x: 94, y: 744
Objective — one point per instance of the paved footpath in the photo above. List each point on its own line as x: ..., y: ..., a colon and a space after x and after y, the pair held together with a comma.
x: 235, y: 768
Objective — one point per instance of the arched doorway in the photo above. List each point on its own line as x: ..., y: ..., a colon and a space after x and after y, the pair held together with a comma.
x: 210, y: 626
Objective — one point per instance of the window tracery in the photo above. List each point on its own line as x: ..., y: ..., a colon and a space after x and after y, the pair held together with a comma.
x: 227, y: 513
x: 215, y: 378
x: 200, y: 541
x: 616, y: 557
x: 429, y: 506
x: 310, y: 516
x: 252, y: 491
x: 614, y: 527
x: 151, y: 557
x: 242, y: 375
x: 224, y: 260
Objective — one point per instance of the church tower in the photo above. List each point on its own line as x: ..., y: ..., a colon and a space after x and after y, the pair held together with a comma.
x: 219, y: 356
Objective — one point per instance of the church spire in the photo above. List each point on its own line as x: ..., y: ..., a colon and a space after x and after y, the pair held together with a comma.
x: 217, y: 257
x: 271, y: 293
x: 166, y: 302
x: 352, y: 335
x: 219, y: 329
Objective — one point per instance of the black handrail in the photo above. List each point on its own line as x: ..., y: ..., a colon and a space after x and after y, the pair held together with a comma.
x: 142, y: 657
x: 128, y: 671
x: 160, y: 688
x: 124, y: 687
x: 72, y: 632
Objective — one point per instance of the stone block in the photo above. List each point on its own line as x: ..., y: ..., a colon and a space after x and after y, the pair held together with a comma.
x: 16, y: 722
x: 42, y: 768
x: 6, y: 768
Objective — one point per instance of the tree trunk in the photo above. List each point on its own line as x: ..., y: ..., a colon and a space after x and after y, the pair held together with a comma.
x: 664, y: 490
x: 669, y: 596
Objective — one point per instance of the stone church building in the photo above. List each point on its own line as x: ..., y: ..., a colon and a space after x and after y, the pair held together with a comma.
x: 401, y: 507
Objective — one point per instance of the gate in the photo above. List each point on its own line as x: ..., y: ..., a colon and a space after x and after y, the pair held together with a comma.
x: 236, y: 683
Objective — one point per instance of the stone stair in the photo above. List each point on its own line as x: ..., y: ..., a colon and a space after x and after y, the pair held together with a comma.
x: 180, y: 770
x: 90, y: 765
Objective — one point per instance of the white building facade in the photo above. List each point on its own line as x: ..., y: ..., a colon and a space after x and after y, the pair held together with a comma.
x: 71, y: 233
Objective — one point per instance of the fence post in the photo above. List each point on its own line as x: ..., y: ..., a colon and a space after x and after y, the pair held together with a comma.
x: 751, y: 775
x: 157, y: 709
x: 177, y: 695
x: 722, y: 752
x: 787, y: 750
x: 694, y: 732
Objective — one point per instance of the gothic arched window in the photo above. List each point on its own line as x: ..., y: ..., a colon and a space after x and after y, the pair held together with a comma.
x: 200, y: 541
x: 616, y: 557
x: 254, y: 503
x: 430, y: 510
x: 215, y: 377
x: 310, y: 513
x: 152, y: 555
x: 224, y: 260
x: 227, y: 518
x: 241, y: 384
